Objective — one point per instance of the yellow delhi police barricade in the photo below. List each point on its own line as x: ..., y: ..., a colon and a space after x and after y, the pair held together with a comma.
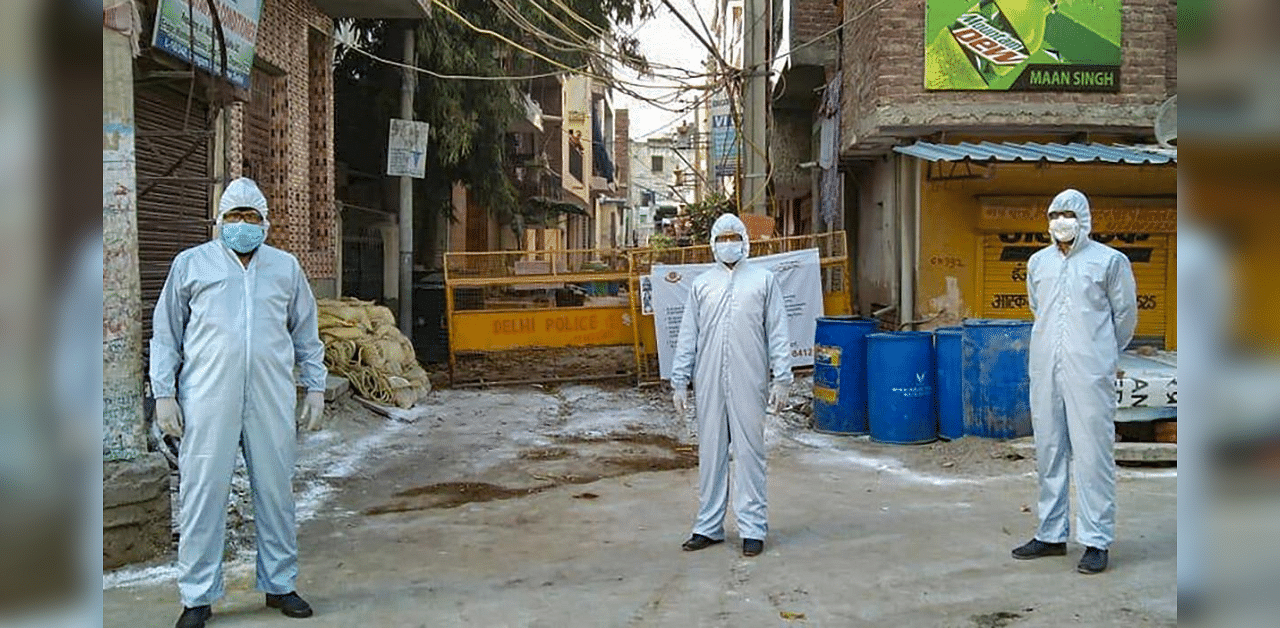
x: 502, y: 303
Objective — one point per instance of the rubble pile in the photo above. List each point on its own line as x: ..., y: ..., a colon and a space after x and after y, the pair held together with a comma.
x: 363, y: 344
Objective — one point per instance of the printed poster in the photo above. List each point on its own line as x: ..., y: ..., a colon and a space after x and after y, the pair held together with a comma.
x: 725, y: 144
x: 799, y: 275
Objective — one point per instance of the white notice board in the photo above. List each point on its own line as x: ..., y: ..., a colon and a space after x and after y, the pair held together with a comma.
x: 799, y: 275
x: 407, y: 148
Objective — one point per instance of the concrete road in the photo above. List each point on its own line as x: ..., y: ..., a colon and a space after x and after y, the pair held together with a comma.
x: 857, y: 538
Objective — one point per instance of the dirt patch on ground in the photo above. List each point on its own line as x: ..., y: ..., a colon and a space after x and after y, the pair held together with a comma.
x: 657, y: 440
x: 449, y: 495
x: 969, y: 456
x: 580, y: 460
x: 639, y: 465
x: 635, y: 453
x: 550, y: 453
x: 964, y: 456
x: 995, y: 620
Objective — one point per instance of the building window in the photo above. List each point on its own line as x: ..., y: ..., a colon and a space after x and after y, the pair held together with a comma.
x: 656, y: 163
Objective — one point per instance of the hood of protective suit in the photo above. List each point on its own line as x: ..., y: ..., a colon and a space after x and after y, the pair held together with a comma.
x: 728, y: 223
x: 1071, y: 200
x: 242, y: 192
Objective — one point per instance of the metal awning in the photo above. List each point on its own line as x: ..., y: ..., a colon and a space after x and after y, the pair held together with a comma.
x: 1032, y: 151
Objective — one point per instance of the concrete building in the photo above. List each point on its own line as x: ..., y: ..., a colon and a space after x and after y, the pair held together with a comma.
x: 806, y: 99
x: 952, y: 151
x: 664, y: 178
x: 562, y: 162
x: 807, y: 59
x: 721, y: 113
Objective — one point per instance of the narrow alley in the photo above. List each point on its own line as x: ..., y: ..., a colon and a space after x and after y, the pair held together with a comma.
x: 544, y: 506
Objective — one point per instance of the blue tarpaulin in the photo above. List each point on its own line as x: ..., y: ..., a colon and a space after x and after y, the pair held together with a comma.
x: 599, y: 153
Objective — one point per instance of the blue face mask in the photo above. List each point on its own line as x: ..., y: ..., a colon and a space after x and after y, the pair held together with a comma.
x: 729, y: 252
x: 243, y: 237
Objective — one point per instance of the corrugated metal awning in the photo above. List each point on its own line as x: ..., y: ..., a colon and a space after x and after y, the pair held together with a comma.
x: 1032, y: 151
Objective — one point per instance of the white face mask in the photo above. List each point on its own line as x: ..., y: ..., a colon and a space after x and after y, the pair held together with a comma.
x: 1064, y: 229
x: 729, y: 252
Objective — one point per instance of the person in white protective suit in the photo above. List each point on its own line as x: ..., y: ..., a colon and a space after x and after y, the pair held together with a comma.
x: 1084, y: 300
x: 234, y: 318
x: 733, y: 337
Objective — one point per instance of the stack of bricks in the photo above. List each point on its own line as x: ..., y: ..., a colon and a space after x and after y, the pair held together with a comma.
x: 884, y: 73
x: 293, y: 40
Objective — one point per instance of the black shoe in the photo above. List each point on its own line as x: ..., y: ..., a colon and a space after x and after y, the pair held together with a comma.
x: 1035, y: 548
x: 289, y: 604
x: 697, y: 542
x: 752, y: 547
x: 194, y: 617
x: 1093, y: 561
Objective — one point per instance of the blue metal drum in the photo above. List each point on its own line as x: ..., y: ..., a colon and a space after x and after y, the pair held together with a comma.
x: 997, y: 385
x: 900, y: 388
x: 946, y: 348
x: 840, y: 374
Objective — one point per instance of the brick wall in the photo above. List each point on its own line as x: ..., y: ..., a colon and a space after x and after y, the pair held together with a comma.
x: 811, y: 18
x: 791, y: 144
x: 884, y: 68
x: 622, y: 149
x: 292, y: 38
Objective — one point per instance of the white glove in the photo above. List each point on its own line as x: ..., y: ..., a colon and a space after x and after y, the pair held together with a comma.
x: 313, y: 410
x: 779, y: 392
x: 680, y: 398
x: 169, y: 416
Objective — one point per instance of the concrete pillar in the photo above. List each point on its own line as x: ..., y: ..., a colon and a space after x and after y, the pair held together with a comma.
x: 123, y: 437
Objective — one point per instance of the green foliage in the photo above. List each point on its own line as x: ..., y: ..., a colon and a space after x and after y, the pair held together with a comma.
x: 661, y: 241
x: 468, y: 118
x: 703, y: 214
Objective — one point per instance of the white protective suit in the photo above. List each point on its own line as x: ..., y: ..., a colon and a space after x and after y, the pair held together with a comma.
x: 732, y: 337
x: 1085, y: 307
x: 226, y: 338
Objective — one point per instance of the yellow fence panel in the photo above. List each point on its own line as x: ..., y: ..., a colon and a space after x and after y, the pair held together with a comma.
x: 558, y: 327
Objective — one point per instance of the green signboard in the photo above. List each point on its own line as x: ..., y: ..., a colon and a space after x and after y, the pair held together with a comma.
x: 1022, y: 45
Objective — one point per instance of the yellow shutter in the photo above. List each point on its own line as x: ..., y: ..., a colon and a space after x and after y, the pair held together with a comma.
x: 1004, y: 268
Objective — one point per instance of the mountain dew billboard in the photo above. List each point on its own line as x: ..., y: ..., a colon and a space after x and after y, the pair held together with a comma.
x: 1022, y: 45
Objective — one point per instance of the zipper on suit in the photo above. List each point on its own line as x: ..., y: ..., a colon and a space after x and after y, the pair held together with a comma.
x: 248, y: 335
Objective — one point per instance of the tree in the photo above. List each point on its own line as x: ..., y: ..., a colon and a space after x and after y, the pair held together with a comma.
x: 702, y: 214
x: 468, y: 118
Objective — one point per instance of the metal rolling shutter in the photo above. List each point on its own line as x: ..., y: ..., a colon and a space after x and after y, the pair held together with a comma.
x: 174, y: 186
x: 1004, y: 267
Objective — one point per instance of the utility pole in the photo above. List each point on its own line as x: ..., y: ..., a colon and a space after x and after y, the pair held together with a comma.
x: 408, y: 84
x: 755, y: 102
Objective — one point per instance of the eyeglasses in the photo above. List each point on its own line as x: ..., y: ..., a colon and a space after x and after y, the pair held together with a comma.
x: 250, y: 216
